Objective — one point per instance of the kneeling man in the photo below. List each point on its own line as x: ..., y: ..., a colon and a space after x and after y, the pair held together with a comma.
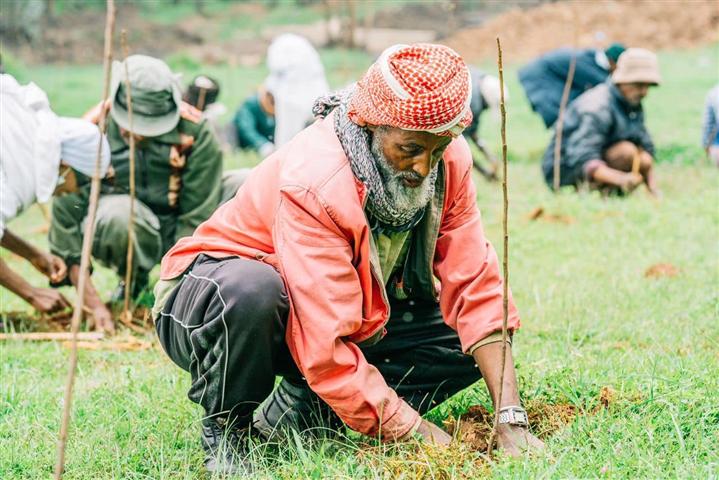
x: 604, y: 139
x: 353, y: 263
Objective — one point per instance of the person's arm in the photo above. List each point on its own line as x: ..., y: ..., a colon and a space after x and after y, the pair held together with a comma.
x: 46, y: 263
x: 512, y: 439
x: 201, y: 183
x: 471, y: 297
x: 45, y: 300
x: 325, y: 295
x: 246, y: 127
x: 101, y: 317
x: 66, y: 234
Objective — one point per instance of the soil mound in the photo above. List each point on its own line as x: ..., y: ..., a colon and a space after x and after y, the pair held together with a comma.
x: 638, y: 23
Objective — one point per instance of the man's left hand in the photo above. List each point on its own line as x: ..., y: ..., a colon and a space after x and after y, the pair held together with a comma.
x: 515, y: 440
x: 53, y: 267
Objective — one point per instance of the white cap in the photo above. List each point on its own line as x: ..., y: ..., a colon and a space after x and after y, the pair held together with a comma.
x: 78, y: 149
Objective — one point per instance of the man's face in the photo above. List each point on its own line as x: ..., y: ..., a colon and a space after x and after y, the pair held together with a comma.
x: 126, y: 136
x: 405, y: 159
x: 634, y: 93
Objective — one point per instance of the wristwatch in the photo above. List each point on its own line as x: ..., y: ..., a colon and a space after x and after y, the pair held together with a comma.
x: 513, y: 415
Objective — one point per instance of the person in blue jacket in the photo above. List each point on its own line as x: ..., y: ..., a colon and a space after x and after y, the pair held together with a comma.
x: 543, y: 79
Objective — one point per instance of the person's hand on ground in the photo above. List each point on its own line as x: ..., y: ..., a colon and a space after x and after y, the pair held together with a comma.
x: 53, y: 267
x: 631, y: 181
x: 431, y: 433
x: 101, y: 319
x: 48, y: 300
x: 515, y: 440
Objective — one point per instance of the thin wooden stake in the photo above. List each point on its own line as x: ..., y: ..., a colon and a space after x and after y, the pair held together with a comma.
x: 559, y: 126
x: 52, y: 336
x: 636, y: 163
x: 126, y: 316
x: 86, y: 249
x: 505, y: 255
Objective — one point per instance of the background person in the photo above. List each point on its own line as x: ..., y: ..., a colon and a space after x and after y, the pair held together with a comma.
x: 178, y: 178
x: 486, y: 95
x: 604, y: 134
x: 283, y: 106
x: 40, y: 154
x: 543, y: 79
x: 710, y: 130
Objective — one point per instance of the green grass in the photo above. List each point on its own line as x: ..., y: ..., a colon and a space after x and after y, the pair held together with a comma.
x: 591, y: 319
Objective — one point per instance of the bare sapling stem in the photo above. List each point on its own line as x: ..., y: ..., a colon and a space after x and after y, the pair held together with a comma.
x: 126, y: 314
x: 86, y: 250
x: 505, y: 251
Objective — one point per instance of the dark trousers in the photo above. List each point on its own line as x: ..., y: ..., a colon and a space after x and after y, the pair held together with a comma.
x: 225, y: 324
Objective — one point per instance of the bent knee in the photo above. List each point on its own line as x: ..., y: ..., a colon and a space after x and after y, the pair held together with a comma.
x: 623, y: 150
x: 255, y: 289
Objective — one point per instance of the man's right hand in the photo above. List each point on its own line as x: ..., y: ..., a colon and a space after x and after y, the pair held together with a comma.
x: 631, y: 181
x: 431, y: 433
x: 101, y: 319
x: 47, y: 300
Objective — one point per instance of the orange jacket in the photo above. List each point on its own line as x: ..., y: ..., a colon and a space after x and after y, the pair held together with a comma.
x: 301, y: 211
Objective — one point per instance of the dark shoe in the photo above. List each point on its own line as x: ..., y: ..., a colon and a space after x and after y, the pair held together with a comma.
x: 227, y: 448
x: 295, y: 407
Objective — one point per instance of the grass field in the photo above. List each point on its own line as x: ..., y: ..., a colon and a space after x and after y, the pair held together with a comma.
x: 591, y: 319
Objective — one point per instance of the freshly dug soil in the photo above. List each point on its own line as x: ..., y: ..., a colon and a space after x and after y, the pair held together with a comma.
x: 652, y: 24
x: 474, y: 427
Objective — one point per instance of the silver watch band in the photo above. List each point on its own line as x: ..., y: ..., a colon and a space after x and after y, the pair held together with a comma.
x: 513, y: 415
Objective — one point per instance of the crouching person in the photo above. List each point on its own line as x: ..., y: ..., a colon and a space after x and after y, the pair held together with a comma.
x: 604, y: 139
x: 41, y: 156
x: 178, y: 178
x: 326, y: 269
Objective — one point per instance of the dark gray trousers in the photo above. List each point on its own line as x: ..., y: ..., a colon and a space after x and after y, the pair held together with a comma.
x: 225, y: 324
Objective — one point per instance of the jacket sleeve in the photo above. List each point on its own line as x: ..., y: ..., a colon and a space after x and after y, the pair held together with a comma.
x: 326, y: 306
x: 646, y: 141
x: 246, y: 128
x: 201, y: 183
x: 710, y: 125
x: 587, y: 141
x: 66, y: 231
x: 467, y: 267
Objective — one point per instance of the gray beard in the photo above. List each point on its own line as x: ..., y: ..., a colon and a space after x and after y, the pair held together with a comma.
x: 406, y: 198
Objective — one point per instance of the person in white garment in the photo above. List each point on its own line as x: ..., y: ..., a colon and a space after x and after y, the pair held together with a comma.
x: 41, y: 155
x: 282, y: 106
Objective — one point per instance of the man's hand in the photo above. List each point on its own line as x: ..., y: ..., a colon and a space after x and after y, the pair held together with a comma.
x: 431, y: 433
x: 515, y: 440
x: 631, y: 181
x: 53, y: 267
x: 101, y: 319
x: 47, y: 300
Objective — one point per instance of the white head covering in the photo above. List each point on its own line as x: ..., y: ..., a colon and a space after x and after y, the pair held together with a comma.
x: 30, y: 147
x: 296, y: 79
x: 79, y: 139
x: 489, y: 88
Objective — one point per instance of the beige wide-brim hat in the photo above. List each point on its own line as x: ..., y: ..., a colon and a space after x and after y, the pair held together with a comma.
x: 156, y: 96
x: 637, y: 65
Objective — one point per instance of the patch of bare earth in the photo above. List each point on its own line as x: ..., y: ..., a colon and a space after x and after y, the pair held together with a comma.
x: 639, y: 23
x: 659, y: 270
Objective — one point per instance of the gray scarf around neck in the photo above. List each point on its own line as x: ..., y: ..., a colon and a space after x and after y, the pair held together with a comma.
x: 356, y: 143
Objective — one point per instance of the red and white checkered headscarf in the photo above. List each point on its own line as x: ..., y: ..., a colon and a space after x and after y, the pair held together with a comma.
x: 420, y: 87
